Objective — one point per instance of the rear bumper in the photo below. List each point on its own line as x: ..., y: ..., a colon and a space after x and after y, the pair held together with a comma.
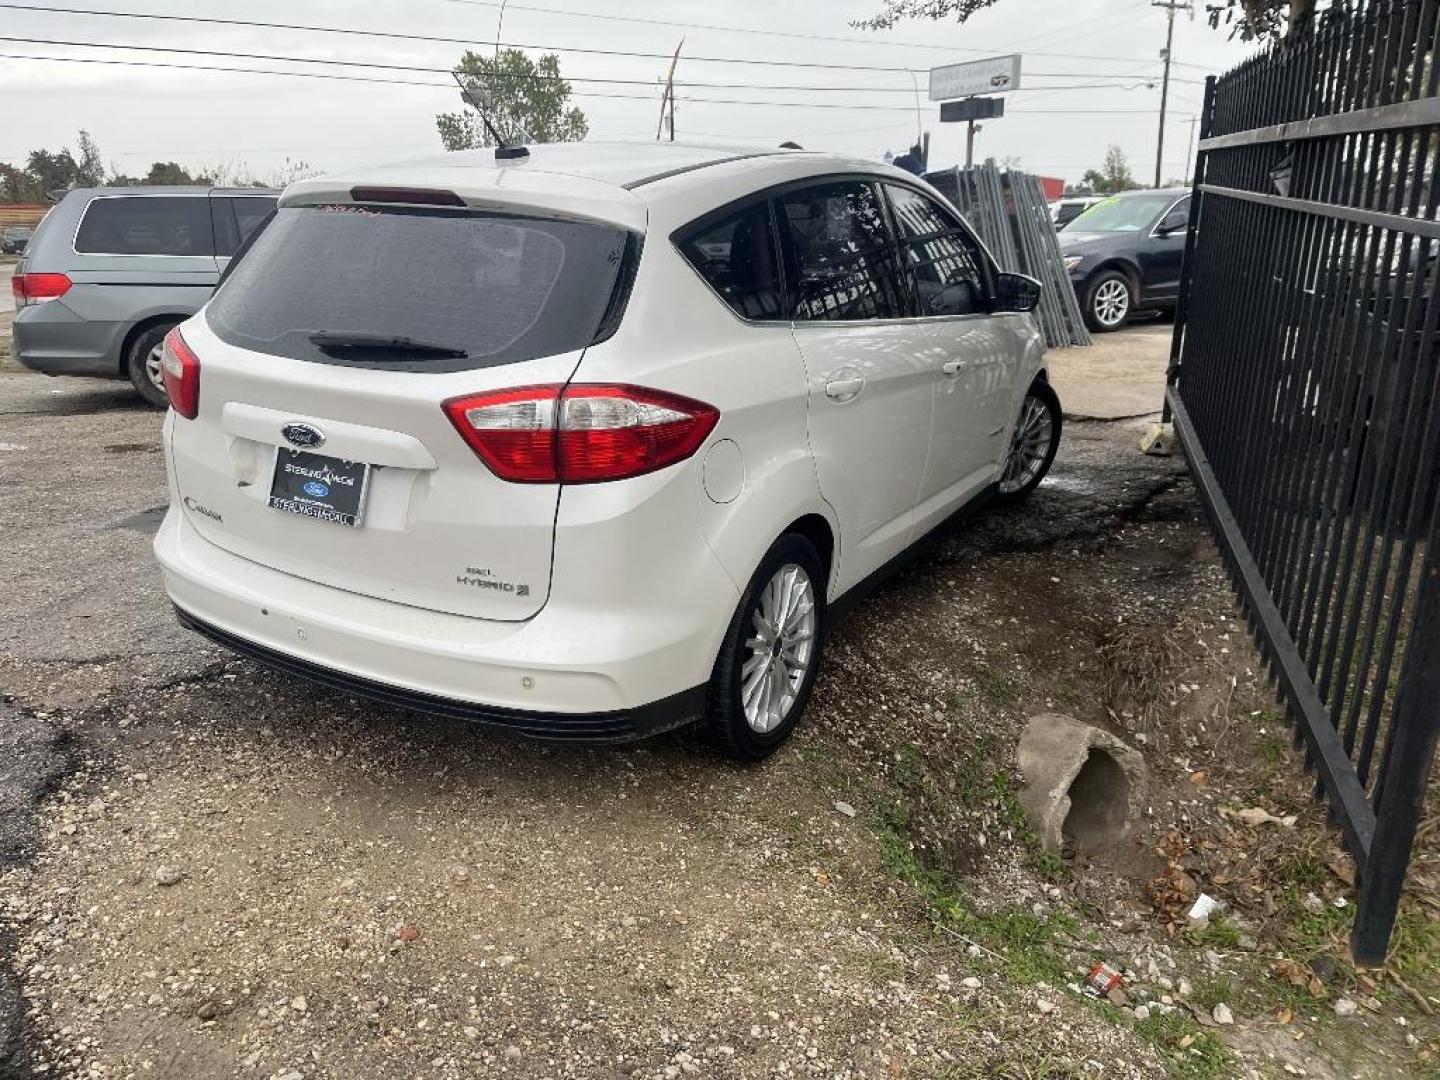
x: 568, y: 672
x: 52, y: 339
x: 624, y: 726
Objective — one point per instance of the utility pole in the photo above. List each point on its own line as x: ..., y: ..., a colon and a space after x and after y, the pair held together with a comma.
x: 969, y: 143
x: 1170, y: 6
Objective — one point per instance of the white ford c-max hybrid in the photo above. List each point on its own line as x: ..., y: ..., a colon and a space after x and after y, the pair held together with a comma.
x: 590, y: 443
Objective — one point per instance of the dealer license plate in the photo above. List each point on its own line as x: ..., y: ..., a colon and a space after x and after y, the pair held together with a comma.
x: 323, y: 488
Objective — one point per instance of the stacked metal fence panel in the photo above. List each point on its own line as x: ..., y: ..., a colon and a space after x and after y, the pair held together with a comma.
x: 1009, y: 211
x: 1305, y: 388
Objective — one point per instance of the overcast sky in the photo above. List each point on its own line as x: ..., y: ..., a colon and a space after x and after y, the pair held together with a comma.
x: 140, y: 114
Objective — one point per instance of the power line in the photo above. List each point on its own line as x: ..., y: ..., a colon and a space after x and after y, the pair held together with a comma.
x: 802, y: 37
x: 440, y: 39
x: 281, y: 58
x: 594, y: 94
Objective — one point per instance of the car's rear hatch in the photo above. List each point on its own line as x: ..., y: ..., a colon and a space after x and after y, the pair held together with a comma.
x: 339, y: 335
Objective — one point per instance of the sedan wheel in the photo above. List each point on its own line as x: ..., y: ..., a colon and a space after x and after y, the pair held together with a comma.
x: 781, y: 648
x: 1112, y: 302
x: 1108, y: 303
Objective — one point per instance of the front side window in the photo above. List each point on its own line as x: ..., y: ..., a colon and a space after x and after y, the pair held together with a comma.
x: 844, y: 261
x: 146, y: 225
x: 736, y: 257
x: 939, y: 255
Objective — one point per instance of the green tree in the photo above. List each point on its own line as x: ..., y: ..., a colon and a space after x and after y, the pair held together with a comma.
x: 527, y: 99
x: 89, y: 169
x: 1246, y: 18
x: 171, y: 172
x: 1113, y: 176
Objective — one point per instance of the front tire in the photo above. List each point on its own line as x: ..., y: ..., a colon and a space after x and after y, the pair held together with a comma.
x: 142, y: 365
x: 1033, y: 444
x: 771, y: 653
x: 1109, y: 301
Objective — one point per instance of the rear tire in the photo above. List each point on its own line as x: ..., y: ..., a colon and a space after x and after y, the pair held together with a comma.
x: 762, y: 679
x: 142, y: 364
x: 1109, y: 301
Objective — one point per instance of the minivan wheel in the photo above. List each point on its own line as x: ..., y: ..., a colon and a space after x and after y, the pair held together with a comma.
x: 767, y: 663
x: 1108, y: 301
x: 1032, y: 445
x: 142, y: 364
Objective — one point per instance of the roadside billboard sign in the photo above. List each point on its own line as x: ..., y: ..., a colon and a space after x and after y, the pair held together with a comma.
x: 995, y: 75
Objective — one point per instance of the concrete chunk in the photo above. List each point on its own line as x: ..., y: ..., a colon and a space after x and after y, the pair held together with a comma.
x: 1081, y: 781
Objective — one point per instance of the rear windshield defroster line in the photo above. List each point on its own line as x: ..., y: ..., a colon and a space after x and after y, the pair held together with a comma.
x: 495, y: 288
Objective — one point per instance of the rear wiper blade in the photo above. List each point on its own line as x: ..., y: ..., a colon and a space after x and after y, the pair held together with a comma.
x: 334, y: 339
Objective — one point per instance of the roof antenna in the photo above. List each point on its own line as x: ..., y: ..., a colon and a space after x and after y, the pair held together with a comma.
x: 478, y: 98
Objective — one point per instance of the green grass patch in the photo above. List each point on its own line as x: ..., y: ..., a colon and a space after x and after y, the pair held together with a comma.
x: 1218, y: 933
x: 1191, y: 1052
x: 1022, y: 938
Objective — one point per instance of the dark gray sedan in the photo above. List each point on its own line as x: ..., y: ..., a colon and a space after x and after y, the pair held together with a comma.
x: 1124, y: 255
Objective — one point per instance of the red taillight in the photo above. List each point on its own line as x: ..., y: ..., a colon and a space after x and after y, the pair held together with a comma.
x: 34, y: 288
x: 580, y: 434
x: 513, y: 431
x: 181, y: 369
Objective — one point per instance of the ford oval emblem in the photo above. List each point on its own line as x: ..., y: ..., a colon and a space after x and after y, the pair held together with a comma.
x: 315, y: 489
x: 307, y: 435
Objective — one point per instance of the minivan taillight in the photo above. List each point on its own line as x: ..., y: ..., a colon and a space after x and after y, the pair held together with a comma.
x: 582, y: 433
x: 181, y: 369
x: 35, y: 288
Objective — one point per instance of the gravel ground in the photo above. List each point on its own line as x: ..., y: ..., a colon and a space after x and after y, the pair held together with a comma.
x: 242, y: 875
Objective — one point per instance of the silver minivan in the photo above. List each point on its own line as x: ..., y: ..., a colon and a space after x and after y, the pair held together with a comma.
x: 111, y: 270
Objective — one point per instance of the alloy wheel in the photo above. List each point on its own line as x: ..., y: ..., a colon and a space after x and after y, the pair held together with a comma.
x: 781, y: 648
x: 1029, y: 446
x: 153, y: 366
x: 1111, y: 303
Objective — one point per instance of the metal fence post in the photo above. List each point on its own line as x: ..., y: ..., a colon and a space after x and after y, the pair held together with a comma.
x: 1182, y: 301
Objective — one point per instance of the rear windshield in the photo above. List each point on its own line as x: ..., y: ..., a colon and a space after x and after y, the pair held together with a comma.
x: 489, y: 289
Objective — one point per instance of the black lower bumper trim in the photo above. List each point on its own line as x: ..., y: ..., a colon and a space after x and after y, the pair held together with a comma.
x: 627, y: 725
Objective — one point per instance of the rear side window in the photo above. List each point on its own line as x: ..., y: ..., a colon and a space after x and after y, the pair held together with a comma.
x: 146, y: 225
x: 492, y: 289
x: 942, y: 260
x: 236, y: 217
x: 736, y: 257
x: 250, y: 211
x: 844, y: 260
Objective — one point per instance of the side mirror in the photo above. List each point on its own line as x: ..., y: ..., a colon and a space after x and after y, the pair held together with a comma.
x: 1016, y: 292
x: 1173, y: 222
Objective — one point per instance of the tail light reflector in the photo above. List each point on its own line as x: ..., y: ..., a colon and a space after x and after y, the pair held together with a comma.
x: 582, y: 433
x: 181, y: 369
x: 35, y: 288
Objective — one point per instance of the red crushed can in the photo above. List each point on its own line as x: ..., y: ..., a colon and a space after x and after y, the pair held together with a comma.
x: 1102, y: 979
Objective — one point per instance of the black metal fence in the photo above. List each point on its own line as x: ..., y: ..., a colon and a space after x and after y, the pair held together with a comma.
x: 1304, y: 392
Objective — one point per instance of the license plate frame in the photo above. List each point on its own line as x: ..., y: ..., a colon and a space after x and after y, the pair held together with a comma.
x: 316, y: 486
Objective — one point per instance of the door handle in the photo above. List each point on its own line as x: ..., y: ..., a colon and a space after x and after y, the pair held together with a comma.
x: 843, y: 390
x: 950, y: 368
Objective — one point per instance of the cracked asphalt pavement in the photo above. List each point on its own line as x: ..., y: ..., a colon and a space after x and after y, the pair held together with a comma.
x: 263, y: 851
